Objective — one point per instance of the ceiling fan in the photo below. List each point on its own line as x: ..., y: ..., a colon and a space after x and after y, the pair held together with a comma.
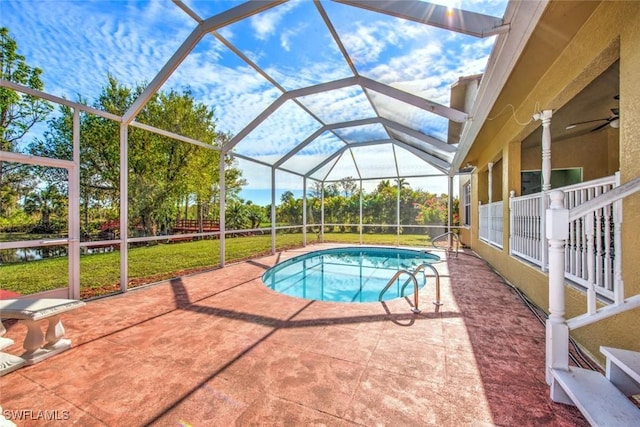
x: 613, y: 120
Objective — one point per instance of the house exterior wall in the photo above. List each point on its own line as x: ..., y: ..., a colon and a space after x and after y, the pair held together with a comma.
x: 574, y: 43
x: 586, y: 151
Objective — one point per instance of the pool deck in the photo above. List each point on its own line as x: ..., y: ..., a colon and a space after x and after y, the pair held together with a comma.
x: 220, y: 349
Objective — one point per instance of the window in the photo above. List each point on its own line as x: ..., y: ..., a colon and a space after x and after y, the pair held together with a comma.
x: 531, y: 181
x: 467, y: 204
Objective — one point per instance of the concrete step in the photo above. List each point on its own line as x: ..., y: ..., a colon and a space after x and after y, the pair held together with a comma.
x: 601, y: 403
x: 5, y: 342
x: 9, y: 363
x: 623, y: 369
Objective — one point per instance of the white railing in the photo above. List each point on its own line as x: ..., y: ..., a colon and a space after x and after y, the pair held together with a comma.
x: 527, y: 239
x: 559, y: 220
x: 601, y: 224
x: 491, y: 223
x: 483, y: 225
x: 526, y: 220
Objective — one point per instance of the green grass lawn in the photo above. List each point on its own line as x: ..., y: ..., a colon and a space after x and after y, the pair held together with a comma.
x: 99, y: 273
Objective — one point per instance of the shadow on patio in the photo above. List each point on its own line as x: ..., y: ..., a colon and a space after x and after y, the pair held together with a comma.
x: 219, y: 348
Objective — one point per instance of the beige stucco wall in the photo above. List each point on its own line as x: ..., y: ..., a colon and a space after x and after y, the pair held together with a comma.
x: 586, y: 151
x: 610, y: 31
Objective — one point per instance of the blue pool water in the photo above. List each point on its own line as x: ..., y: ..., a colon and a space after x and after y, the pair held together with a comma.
x: 352, y: 274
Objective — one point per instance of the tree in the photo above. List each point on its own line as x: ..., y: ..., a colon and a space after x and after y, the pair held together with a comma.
x: 236, y: 215
x: 18, y: 114
x: 46, y: 202
x: 290, y: 209
x: 163, y: 173
x: 316, y: 190
x: 382, y: 204
x: 348, y: 186
x: 434, y: 211
x: 255, y: 214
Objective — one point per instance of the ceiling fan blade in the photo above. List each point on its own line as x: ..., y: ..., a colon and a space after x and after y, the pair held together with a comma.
x: 601, y: 126
x: 572, y: 125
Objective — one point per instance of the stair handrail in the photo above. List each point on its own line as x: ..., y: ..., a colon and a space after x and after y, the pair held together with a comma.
x: 557, y: 327
x: 613, y: 195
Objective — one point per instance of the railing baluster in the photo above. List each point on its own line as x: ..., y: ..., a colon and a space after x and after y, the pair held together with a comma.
x: 608, y: 266
x: 591, y: 293
x: 618, y: 286
x: 599, y: 250
x: 528, y: 228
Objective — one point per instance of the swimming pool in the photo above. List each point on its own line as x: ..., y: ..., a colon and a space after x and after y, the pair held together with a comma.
x: 349, y: 274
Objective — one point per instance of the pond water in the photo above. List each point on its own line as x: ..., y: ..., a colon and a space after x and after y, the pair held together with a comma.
x: 14, y: 256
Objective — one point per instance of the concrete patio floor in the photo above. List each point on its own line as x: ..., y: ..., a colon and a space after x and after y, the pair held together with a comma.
x: 220, y: 349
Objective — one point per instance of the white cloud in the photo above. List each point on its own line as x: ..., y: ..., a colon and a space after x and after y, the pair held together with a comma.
x: 78, y: 43
x: 339, y: 105
x: 289, y: 33
x: 266, y: 23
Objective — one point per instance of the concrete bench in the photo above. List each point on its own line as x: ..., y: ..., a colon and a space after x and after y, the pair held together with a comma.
x: 38, y: 346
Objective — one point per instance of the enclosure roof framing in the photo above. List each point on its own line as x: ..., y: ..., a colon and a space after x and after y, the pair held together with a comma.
x: 295, y: 84
x: 208, y: 25
x: 395, y: 114
x: 449, y: 18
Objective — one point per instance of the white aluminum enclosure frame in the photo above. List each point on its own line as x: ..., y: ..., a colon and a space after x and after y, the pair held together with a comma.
x: 512, y: 33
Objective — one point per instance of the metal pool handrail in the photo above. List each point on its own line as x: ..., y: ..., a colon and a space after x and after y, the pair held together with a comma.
x: 451, y: 238
x: 421, y: 267
x: 412, y: 276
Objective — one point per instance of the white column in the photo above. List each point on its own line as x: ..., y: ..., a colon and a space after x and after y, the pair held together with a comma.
x: 361, y: 223
x: 124, y: 206
x: 398, y: 214
x: 74, y: 212
x: 322, y: 213
x: 450, y: 213
x: 273, y: 210
x: 304, y: 211
x: 223, y: 207
x: 557, y: 331
x: 545, y: 116
x: 490, y: 166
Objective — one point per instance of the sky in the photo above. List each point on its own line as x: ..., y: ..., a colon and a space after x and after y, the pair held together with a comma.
x: 78, y: 43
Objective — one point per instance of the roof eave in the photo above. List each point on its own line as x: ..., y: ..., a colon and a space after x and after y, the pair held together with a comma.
x: 523, y: 17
